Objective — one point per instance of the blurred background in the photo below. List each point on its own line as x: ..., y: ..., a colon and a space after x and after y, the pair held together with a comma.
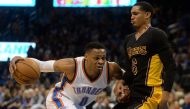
x: 54, y: 29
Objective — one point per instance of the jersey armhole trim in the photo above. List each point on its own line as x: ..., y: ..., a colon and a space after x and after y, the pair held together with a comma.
x: 108, y: 73
x: 75, y: 73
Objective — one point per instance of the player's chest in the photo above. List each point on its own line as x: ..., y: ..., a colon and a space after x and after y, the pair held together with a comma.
x: 141, y: 47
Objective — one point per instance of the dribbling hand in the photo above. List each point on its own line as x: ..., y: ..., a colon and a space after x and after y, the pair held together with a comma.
x: 12, y: 64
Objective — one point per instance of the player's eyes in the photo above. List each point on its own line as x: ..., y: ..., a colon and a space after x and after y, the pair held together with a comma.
x: 134, y: 13
x: 103, y: 58
x: 97, y: 58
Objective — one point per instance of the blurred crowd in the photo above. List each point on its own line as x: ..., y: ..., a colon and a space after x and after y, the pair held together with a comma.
x: 61, y: 33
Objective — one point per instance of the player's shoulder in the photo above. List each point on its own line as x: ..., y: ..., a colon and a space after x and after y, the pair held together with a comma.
x: 115, y: 70
x: 65, y: 61
x: 113, y: 65
x: 64, y: 65
x: 157, y: 30
x: 79, y: 59
x: 128, y: 37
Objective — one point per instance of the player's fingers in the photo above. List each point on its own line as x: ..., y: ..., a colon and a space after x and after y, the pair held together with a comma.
x: 125, y: 87
x: 120, y: 97
x: 15, y: 60
x: 12, y: 65
x: 117, y: 91
x: 11, y: 70
x: 126, y: 90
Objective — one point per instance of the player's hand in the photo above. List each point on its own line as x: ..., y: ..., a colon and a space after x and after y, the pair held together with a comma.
x: 124, y: 96
x: 12, y: 65
x: 164, y: 101
x: 118, y: 87
x: 121, y: 92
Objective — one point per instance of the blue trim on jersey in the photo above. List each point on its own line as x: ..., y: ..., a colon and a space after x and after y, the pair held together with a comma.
x: 64, y: 80
x: 55, y: 99
x: 57, y: 89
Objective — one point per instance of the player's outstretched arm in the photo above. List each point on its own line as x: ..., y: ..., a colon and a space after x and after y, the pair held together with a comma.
x: 66, y: 65
x: 62, y: 65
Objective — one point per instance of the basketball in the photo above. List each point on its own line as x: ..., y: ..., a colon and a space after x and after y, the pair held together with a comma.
x: 27, y: 72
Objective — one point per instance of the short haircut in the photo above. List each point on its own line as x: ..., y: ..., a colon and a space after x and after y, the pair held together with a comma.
x: 145, y: 6
x: 94, y: 45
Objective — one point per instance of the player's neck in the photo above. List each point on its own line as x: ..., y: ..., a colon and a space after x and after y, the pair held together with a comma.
x: 142, y: 29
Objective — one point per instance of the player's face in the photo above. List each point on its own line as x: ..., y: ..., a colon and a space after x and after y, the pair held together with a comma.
x: 96, y: 58
x: 138, y: 17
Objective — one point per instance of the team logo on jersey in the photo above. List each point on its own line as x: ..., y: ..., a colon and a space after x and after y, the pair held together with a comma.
x: 136, y: 50
x: 87, y: 90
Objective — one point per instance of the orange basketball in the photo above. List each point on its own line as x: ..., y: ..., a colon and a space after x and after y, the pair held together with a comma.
x: 27, y: 72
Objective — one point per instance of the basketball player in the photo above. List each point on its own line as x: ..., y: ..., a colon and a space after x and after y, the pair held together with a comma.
x: 150, y: 66
x: 84, y: 77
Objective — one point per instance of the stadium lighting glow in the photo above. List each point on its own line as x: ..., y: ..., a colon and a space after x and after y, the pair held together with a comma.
x: 93, y: 3
x: 18, y: 3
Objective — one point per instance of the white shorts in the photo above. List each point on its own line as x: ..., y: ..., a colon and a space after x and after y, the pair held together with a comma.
x: 57, y: 100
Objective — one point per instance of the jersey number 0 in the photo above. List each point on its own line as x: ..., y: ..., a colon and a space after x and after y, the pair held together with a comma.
x: 83, y: 101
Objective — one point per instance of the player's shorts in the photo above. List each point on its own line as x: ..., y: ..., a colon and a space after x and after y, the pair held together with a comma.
x: 57, y: 100
x: 150, y: 102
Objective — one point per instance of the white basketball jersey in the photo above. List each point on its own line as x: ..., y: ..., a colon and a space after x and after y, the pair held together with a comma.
x: 82, y: 91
